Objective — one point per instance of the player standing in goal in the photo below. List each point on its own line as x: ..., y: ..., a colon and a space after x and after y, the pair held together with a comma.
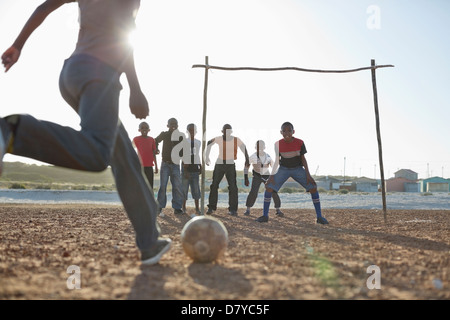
x: 290, y: 162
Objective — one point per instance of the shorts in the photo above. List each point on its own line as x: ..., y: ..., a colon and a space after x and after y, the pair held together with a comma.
x: 284, y: 173
x: 191, y: 179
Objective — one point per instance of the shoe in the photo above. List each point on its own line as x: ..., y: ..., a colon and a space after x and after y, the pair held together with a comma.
x: 161, y: 214
x: 262, y: 219
x: 247, y: 212
x: 322, y: 220
x: 279, y: 213
x: 154, y: 255
x: 178, y: 211
x: 193, y: 215
x: 197, y: 212
x: 5, y: 140
x: 210, y: 211
x: 233, y: 213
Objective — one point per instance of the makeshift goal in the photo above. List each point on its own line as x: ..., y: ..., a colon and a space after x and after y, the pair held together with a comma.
x: 373, y: 67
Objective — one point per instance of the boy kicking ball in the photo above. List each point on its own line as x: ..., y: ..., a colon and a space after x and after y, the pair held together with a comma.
x: 290, y: 162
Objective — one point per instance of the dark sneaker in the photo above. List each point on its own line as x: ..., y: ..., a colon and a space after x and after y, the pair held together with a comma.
x: 279, y: 213
x: 210, y: 211
x: 322, y: 220
x: 262, y: 219
x: 5, y: 140
x: 233, y: 213
x: 247, y: 212
x: 178, y: 211
x: 154, y: 255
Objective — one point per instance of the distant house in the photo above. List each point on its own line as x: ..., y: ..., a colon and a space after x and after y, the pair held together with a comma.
x: 326, y: 182
x: 402, y: 185
x: 435, y: 184
x: 407, y: 174
x: 364, y: 184
x: 405, y: 180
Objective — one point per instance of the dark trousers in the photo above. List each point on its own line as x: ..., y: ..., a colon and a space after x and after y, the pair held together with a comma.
x: 148, y: 171
x: 229, y: 171
x: 256, y: 183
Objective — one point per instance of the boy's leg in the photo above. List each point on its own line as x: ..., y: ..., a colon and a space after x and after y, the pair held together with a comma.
x: 253, y: 194
x: 97, y: 104
x: 277, y: 203
x: 195, y: 190
x: 177, y: 191
x: 163, y: 180
x: 149, y: 174
x: 300, y: 177
x: 184, y: 187
x: 232, y: 188
x: 278, y: 180
x: 218, y: 174
x: 138, y: 201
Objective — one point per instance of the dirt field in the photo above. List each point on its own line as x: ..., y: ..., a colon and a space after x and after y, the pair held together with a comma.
x: 288, y: 258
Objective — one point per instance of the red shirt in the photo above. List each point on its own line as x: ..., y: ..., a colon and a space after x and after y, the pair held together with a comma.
x: 145, y: 146
x: 290, y: 153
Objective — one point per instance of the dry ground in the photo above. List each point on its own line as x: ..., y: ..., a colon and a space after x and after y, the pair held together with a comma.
x: 288, y: 258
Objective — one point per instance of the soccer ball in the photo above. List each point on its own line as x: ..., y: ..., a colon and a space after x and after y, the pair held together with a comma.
x: 204, y: 239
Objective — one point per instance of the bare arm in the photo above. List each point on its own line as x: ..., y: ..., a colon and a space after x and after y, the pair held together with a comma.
x: 12, y: 54
x: 208, y: 150
x: 138, y: 101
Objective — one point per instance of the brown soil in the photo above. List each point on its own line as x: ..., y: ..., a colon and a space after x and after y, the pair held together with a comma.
x: 287, y: 258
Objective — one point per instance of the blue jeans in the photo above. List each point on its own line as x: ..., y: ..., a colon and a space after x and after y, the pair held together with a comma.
x: 92, y: 89
x: 283, y: 173
x: 172, y: 171
x: 191, y: 179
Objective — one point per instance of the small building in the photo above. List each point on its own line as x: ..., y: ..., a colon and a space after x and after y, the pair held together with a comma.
x: 407, y: 174
x: 412, y: 186
x: 364, y: 184
x: 402, y: 185
x: 435, y: 184
x: 326, y: 182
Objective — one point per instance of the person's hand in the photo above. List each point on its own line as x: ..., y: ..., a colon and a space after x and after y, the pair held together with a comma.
x: 10, y: 57
x: 246, y: 182
x: 207, y: 161
x: 156, y: 170
x: 138, y: 104
x: 270, y: 180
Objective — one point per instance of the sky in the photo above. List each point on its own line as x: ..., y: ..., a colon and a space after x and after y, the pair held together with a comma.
x: 332, y: 113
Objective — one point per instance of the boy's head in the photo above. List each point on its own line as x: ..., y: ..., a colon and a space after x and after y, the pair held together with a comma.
x: 227, y: 130
x: 260, y: 146
x: 191, y: 129
x: 287, y: 130
x: 172, y: 124
x: 144, y: 128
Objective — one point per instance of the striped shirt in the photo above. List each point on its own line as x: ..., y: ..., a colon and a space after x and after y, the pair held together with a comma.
x: 290, y: 152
